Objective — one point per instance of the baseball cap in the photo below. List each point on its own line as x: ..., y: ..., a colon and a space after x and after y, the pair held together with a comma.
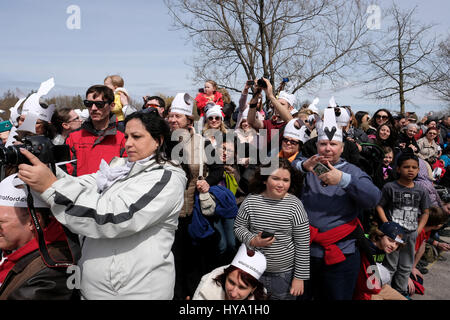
x: 392, y: 230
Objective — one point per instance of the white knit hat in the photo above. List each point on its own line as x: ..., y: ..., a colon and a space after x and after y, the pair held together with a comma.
x: 254, y: 265
x: 290, y: 98
x: 13, y: 193
x: 213, y: 110
x: 183, y: 104
x: 328, y: 128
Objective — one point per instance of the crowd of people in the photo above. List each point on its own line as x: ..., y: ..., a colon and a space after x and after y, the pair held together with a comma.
x: 202, y: 199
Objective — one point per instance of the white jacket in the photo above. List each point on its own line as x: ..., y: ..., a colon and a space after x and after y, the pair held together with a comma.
x: 129, y: 229
x: 208, y: 289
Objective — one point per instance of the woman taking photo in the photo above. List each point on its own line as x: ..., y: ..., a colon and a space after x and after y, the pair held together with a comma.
x: 274, y: 221
x: 126, y: 213
x: 237, y: 281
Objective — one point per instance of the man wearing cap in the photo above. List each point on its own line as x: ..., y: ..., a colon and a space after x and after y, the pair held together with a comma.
x: 190, y: 151
x: 334, y: 200
x: 98, y: 137
x: 23, y: 273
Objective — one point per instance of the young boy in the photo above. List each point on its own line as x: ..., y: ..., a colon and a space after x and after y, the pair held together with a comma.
x: 406, y: 203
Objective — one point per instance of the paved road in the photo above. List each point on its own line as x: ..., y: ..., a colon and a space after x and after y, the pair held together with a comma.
x: 437, y: 280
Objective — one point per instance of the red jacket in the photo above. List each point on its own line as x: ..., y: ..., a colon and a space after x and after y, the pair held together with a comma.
x: 90, y: 146
x: 362, y: 290
x: 202, y: 100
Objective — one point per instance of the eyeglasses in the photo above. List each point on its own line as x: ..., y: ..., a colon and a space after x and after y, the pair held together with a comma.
x: 382, y: 117
x: 287, y: 141
x: 214, y: 118
x: 98, y: 104
x: 432, y: 133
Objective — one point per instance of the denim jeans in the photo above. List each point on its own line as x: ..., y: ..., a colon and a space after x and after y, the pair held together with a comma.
x: 278, y: 284
x: 333, y: 282
x: 227, y: 237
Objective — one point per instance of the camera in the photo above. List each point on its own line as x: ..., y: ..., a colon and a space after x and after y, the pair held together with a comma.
x: 201, y: 90
x: 40, y: 146
x: 250, y: 82
x: 261, y: 83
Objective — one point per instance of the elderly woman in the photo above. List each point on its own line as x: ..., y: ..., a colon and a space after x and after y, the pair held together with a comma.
x: 429, y: 150
x: 127, y: 213
x: 335, y: 193
x: 406, y: 139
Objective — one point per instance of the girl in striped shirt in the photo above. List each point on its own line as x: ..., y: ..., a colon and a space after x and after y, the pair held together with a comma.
x: 272, y: 207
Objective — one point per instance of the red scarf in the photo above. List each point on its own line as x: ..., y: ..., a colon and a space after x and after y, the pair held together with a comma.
x: 329, y: 238
x: 53, y: 232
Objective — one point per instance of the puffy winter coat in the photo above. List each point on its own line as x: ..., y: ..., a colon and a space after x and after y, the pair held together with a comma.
x: 129, y: 229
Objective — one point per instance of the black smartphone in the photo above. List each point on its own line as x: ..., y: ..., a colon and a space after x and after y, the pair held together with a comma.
x: 267, y: 234
x: 250, y: 82
x: 320, y: 169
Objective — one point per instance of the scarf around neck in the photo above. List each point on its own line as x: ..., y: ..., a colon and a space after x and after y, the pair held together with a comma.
x: 107, y: 175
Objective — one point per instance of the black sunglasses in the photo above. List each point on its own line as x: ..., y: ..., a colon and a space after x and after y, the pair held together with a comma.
x: 381, y: 117
x: 287, y: 141
x: 98, y: 104
x: 214, y: 118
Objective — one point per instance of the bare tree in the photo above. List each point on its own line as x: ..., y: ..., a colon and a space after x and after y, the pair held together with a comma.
x: 308, y: 41
x: 442, y: 87
x: 402, y: 61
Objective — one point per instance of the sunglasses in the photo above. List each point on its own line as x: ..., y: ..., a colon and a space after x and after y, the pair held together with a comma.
x: 432, y: 133
x: 152, y: 105
x: 214, y: 118
x: 98, y: 104
x: 381, y: 117
x: 287, y: 141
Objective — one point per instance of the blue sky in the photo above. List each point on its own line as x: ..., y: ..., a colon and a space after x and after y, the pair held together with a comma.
x: 136, y: 40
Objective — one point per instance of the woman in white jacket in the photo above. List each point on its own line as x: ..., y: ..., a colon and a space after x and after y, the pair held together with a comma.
x: 126, y: 213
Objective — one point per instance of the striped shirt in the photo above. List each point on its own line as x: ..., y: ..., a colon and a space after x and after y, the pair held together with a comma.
x: 288, y: 219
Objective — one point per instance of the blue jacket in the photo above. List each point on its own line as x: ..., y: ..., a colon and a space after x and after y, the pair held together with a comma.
x: 331, y: 206
x: 226, y: 207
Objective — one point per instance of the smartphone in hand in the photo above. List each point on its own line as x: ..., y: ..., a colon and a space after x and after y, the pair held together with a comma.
x: 320, y: 169
x: 267, y: 234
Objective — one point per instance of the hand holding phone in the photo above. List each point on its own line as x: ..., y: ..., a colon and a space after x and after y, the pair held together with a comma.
x: 267, y: 234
